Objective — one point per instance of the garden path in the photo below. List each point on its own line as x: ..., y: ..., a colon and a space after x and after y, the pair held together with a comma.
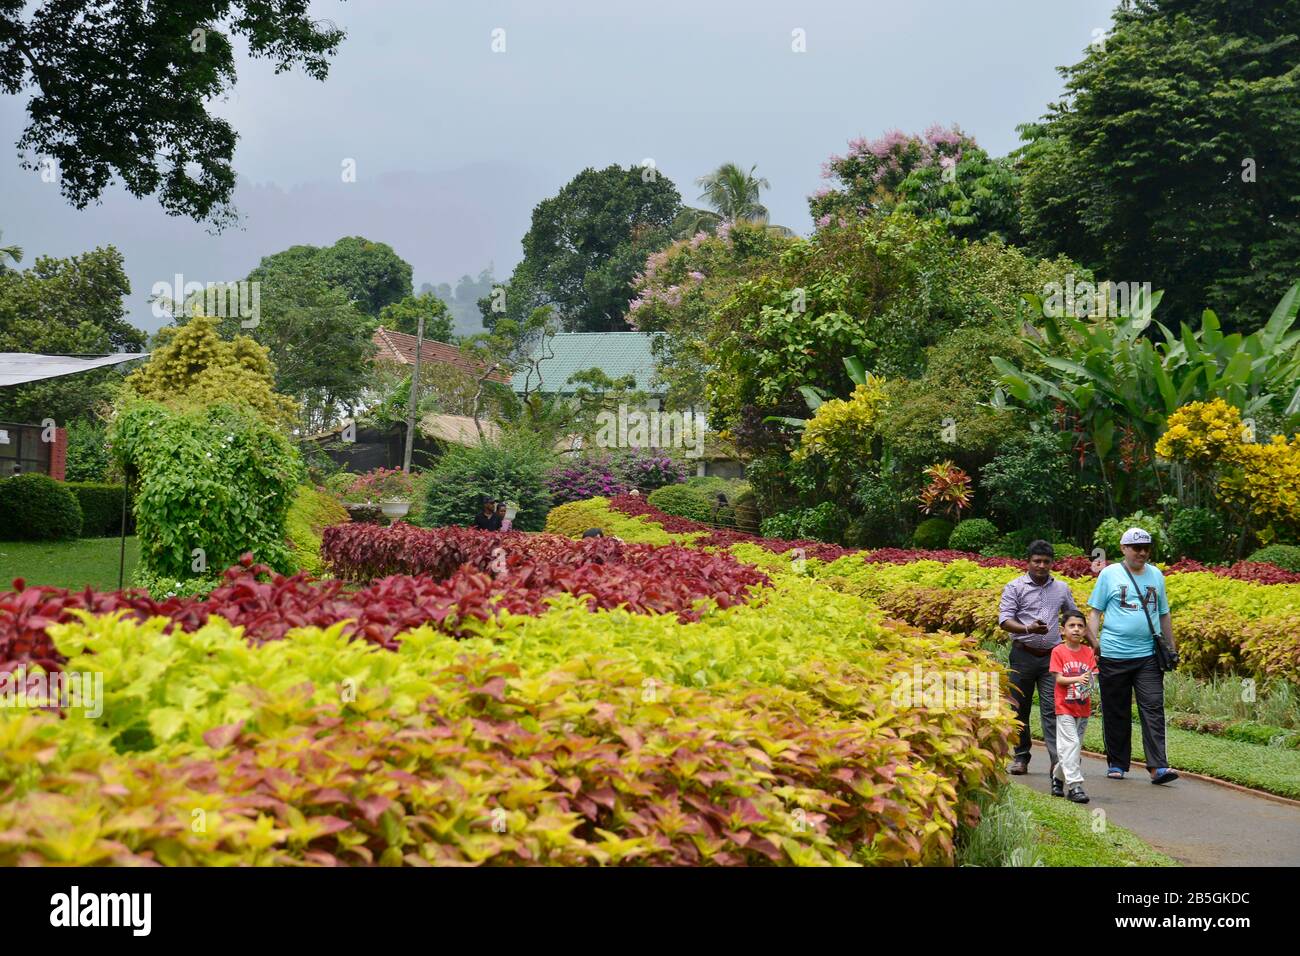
x: 1196, y: 822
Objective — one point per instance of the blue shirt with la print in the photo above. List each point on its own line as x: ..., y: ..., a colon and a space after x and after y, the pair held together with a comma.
x: 1124, y: 630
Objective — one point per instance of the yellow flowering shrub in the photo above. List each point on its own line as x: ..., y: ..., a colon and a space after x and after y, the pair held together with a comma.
x: 1268, y: 481
x: 1203, y: 434
x: 841, y: 428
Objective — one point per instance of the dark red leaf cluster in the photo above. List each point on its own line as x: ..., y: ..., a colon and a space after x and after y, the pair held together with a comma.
x: 496, y: 572
x: 1254, y: 571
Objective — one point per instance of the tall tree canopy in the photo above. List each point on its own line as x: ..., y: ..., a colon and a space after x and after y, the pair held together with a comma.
x: 404, y: 316
x: 942, y: 174
x: 371, y: 273
x: 122, y: 89
x: 67, y: 306
x: 587, y: 243
x: 1174, y: 156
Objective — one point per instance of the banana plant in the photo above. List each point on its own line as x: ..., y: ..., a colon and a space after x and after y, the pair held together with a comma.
x: 1115, y: 373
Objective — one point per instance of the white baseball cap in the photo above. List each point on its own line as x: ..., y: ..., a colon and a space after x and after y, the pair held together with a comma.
x: 1135, y: 536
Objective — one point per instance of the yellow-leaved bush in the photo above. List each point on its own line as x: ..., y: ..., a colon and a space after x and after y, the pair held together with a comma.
x: 841, y: 428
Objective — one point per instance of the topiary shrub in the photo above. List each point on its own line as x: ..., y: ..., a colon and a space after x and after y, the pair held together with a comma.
x: 211, y: 483
x: 101, y: 509
x: 1285, y: 556
x: 681, y: 500
x: 932, y: 534
x: 1197, y: 533
x: 745, y: 507
x: 973, y: 534
x: 1015, y: 544
x: 1110, y: 531
x: 510, y: 468
x: 35, y: 507
x: 1064, y: 549
x: 313, y: 510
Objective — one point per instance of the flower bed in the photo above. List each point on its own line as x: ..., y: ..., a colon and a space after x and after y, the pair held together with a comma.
x: 761, y: 732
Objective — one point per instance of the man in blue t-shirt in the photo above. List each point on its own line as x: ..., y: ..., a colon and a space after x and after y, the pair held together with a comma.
x: 1127, y: 601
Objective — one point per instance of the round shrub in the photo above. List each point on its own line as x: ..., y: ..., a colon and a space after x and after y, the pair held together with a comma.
x: 1286, y: 556
x: 1015, y: 544
x: 1197, y: 533
x: 101, y: 509
x: 1111, y: 530
x: 511, y: 468
x: 1064, y: 549
x: 35, y: 507
x: 681, y: 500
x: 932, y: 534
x: 973, y: 534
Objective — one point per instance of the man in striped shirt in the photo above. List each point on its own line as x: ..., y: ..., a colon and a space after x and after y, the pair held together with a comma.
x: 1030, y: 612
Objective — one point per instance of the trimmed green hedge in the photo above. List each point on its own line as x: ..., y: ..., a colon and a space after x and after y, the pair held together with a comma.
x: 101, y: 508
x: 682, y: 501
x: 35, y: 507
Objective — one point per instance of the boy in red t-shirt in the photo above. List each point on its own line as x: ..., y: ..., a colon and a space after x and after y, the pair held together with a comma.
x: 1073, y: 665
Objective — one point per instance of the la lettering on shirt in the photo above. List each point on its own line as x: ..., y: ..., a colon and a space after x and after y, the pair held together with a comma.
x: 1073, y: 699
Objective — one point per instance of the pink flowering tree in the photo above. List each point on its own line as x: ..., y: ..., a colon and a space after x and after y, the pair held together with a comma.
x: 940, y: 174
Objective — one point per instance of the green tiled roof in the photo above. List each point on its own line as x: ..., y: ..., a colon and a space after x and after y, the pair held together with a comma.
x: 614, y: 353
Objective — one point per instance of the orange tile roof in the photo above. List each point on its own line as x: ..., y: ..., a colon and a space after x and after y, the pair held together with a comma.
x: 400, y: 347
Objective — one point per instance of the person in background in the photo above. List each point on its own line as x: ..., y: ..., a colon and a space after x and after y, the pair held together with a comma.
x: 1030, y: 611
x: 484, y: 519
x: 1072, y: 666
x: 1127, y: 604
x: 503, y: 523
x: 593, y: 533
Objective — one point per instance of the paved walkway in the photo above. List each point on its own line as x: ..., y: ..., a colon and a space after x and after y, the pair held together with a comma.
x: 1195, y: 822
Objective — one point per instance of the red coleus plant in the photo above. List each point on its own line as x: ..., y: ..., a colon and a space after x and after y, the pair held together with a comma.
x: 458, y: 576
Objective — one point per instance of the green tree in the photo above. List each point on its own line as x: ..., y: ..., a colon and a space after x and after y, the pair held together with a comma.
x: 371, y: 273
x: 1173, y: 157
x: 319, y: 342
x: 122, y: 90
x: 404, y: 316
x: 587, y: 243
x: 69, y: 306
x: 192, y: 366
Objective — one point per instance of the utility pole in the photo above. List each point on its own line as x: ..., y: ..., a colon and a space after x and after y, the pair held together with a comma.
x: 415, y: 397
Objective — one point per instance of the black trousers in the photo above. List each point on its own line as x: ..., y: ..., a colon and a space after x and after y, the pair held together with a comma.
x: 1120, y: 681
x: 1027, y: 672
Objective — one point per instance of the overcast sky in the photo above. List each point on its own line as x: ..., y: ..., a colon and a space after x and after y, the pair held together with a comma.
x: 455, y: 143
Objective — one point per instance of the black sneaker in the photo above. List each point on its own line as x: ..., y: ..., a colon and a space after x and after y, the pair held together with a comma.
x: 1058, y: 787
x: 1077, y: 795
x: 1018, y: 767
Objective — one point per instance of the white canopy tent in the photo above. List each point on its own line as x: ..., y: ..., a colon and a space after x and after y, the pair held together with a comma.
x: 18, y: 368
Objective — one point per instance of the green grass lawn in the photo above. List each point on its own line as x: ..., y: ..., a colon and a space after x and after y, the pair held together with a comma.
x: 1274, y: 769
x: 66, y: 564
x: 1065, y: 836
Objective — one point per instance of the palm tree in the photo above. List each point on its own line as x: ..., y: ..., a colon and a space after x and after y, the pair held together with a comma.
x: 734, y: 195
x: 12, y: 253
